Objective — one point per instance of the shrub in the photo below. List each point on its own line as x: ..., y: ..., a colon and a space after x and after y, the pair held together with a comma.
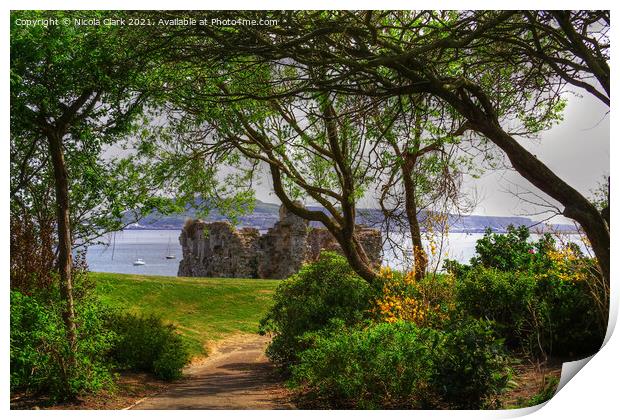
x: 387, y: 365
x: 471, y: 366
x: 39, y: 348
x: 568, y: 318
x: 148, y: 344
x: 550, y: 386
x: 427, y: 302
x: 539, y: 313
x: 324, y: 290
x: 508, y: 299
x: 542, y: 298
x: 401, y: 365
x: 512, y: 251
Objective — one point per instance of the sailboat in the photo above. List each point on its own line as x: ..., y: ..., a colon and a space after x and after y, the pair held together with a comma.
x: 170, y: 255
x: 139, y: 261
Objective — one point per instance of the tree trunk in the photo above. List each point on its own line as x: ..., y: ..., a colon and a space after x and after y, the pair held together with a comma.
x: 355, y: 254
x: 351, y: 248
x: 420, y: 259
x: 64, y: 236
x: 576, y: 206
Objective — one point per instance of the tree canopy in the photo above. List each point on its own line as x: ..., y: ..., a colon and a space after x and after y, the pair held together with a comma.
x: 304, y: 96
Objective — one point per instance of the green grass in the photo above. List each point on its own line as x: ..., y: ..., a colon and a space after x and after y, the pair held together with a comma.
x: 202, y: 309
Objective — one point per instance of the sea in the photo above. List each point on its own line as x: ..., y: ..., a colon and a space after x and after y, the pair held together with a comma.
x: 120, y: 249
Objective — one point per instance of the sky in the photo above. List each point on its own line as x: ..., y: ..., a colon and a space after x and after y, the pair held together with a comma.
x: 576, y: 149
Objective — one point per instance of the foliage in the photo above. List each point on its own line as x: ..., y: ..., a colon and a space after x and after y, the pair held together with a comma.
x: 471, y: 365
x: 401, y: 365
x: 148, y: 344
x: 569, y: 319
x: 107, y: 339
x: 599, y: 196
x: 425, y: 302
x: 550, y: 386
x: 509, y: 299
x: 539, y: 296
x: 512, y: 251
x: 387, y: 365
x: 93, y: 86
x: 325, y: 290
x: 39, y: 349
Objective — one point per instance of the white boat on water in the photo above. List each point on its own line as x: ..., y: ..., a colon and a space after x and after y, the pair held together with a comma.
x: 139, y: 261
x: 170, y: 255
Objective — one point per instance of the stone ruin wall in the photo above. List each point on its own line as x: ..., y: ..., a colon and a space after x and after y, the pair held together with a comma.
x: 219, y: 250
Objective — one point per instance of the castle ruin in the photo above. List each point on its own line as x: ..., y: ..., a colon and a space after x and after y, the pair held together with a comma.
x: 219, y: 250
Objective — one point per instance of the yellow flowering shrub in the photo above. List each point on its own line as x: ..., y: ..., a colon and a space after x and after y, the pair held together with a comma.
x: 566, y: 265
x: 403, y: 299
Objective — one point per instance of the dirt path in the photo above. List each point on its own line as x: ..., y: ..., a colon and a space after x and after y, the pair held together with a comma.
x: 237, y: 375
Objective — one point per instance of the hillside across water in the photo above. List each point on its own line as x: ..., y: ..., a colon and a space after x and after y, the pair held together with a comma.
x: 265, y: 215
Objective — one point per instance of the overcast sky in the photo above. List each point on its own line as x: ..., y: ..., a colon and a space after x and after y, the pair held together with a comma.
x: 577, y: 150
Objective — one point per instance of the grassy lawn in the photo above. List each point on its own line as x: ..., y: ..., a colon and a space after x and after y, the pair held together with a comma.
x: 202, y: 309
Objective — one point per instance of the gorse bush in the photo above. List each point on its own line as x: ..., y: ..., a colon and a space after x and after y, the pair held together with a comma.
x: 402, y: 365
x: 148, y: 344
x: 320, y: 292
x: 347, y: 344
x: 39, y: 348
x: 425, y: 302
x: 440, y: 341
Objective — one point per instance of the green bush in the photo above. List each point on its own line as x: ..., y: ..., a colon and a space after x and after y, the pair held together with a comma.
x: 148, y: 344
x: 401, y: 365
x: 471, y: 366
x: 508, y: 299
x: 550, y: 386
x: 542, y: 299
x: 534, y: 313
x: 40, y: 350
x: 307, y: 301
x: 512, y: 251
x: 568, y: 318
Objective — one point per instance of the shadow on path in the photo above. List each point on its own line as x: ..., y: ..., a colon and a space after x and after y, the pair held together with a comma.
x: 236, y: 376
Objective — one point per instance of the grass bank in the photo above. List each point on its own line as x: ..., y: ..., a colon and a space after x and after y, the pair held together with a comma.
x: 202, y: 309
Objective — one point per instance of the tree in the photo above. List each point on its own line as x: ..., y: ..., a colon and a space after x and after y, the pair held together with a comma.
x: 444, y: 54
x: 316, y: 146
x: 423, y: 169
x: 74, y: 89
x: 574, y: 44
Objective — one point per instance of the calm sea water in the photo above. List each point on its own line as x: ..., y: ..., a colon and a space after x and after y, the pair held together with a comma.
x: 153, y: 245
x: 125, y: 247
